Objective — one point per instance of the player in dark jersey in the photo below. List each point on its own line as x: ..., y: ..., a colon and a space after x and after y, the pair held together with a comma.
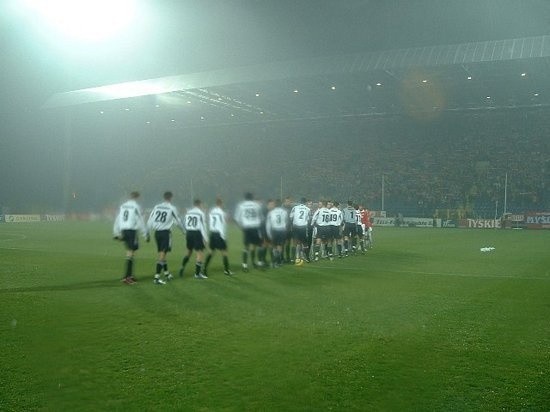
x: 350, y: 226
x: 287, y: 205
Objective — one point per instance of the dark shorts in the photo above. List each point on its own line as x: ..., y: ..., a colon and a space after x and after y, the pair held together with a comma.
x: 252, y: 237
x: 163, y: 238
x: 310, y: 230
x: 322, y: 232
x: 359, y: 230
x: 278, y: 237
x: 299, y: 234
x: 334, y: 232
x: 217, y: 242
x: 194, y: 240
x: 263, y: 233
x: 350, y: 229
x: 130, y: 239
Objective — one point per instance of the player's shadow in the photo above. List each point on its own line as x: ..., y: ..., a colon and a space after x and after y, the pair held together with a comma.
x: 95, y: 284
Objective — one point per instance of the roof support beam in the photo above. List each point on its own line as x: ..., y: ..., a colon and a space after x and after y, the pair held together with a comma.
x: 456, y: 54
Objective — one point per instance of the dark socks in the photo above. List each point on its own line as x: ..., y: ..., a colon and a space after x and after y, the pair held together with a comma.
x: 207, y: 262
x: 129, y: 266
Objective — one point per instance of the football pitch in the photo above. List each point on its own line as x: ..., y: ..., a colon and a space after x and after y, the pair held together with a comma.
x: 424, y: 321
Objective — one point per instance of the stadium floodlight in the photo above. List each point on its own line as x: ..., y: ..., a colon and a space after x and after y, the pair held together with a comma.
x: 89, y: 21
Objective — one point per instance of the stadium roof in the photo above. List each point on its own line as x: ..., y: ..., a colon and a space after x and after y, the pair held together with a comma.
x: 488, y: 75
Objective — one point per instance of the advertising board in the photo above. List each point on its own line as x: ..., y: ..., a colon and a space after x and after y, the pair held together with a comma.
x: 383, y: 221
x: 53, y: 218
x: 421, y: 222
x: 480, y: 223
x: 449, y: 223
x: 538, y: 220
x: 22, y: 218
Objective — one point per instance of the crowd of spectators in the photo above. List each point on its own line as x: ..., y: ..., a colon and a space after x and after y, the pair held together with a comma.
x: 459, y: 165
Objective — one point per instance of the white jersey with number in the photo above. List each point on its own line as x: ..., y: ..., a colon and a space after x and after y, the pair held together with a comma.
x: 163, y: 217
x: 217, y: 221
x: 195, y: 220
x: 248, y: 215
x: 300, y: 215
x: 277, y: 220
x: 336, y: 216
x: 358, y: 217
x: 129, y: 218
x: 321, y: 217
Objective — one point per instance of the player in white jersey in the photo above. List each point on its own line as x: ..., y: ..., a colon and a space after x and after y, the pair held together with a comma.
x: 196, y: 237
x: 300, y: 216
x: 163, y: 216
x: 217, y: 223
x: 320, y: 222
x: 128, y: 221
x: 277, y: 228
x: 248, y: 215
x: 335, y: 236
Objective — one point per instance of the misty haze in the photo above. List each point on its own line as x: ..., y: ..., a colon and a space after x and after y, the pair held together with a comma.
x: 335, y: 116
x: 274, y: 205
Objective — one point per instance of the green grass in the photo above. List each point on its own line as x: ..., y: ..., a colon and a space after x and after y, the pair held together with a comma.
x: 425, y: 321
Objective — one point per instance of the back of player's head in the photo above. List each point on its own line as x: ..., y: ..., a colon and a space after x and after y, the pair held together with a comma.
x: 219, y: 201
x: 350, y: 202
x: 197, y: 202
x: 134, y: 195
x: 248, y: 196
x: 168, y: 195
x: 303, y: 200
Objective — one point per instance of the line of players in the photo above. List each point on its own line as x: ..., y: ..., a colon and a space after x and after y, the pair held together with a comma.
x: 162, y: 218
x: 298, y: 233
x: 292, y: 233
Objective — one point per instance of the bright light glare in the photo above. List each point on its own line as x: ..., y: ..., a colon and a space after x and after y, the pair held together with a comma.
x: 131, y: 89
x: 85, y: 20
